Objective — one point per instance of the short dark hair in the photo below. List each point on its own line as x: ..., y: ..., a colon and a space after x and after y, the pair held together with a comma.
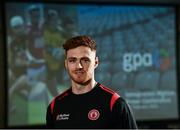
x: 79, y: 41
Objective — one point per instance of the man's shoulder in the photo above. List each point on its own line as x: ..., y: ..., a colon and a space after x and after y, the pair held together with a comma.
x: 61, y: 95
x: 108, y: 90
x: 111, y: 94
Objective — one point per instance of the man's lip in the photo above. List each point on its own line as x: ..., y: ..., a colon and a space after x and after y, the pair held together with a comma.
x: 79, y: 72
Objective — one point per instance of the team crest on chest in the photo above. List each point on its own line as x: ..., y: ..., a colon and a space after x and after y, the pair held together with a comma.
x: 93, y: 114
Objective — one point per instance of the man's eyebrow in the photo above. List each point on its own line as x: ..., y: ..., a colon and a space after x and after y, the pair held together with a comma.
x: 71, y: 58
x: 85, y: 57
x: 77, y: 58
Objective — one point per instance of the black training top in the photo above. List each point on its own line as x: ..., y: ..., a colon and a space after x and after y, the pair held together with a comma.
x: 99, y: 108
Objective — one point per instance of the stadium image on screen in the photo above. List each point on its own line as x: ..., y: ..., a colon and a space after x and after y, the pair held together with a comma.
x: 136, y: 46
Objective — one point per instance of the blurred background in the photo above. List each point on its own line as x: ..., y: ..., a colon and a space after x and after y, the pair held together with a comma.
x: 138, y: 49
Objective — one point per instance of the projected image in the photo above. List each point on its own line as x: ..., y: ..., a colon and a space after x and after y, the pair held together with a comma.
x: 35, y: 34
x: 136, y: 49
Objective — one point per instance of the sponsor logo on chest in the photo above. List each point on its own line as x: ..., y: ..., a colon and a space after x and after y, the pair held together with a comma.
x: 62, y: 117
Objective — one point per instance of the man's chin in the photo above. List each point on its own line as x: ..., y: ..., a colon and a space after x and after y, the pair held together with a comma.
x: 82, y: 82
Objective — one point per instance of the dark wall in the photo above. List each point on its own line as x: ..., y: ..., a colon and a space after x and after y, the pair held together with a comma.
x: 2, y: 90
x: 2, y: 74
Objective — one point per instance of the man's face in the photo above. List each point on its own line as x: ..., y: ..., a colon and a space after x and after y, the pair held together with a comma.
x: 80, y: 63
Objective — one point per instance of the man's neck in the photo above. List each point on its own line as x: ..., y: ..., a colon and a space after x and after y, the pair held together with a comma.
x: 81, y: 89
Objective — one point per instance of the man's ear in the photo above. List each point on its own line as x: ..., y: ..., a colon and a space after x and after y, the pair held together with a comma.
x: 96, y: 62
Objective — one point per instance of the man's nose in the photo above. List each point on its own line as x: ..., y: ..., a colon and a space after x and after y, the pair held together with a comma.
x: 79, y: 64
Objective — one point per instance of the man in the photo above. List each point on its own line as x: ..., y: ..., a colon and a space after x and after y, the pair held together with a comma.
x: 17, y: 60
x: 53, y: 54
x: 87, y: 103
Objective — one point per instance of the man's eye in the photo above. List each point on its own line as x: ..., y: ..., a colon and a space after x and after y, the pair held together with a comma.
x: 72, y: 60
x: 85, y: 60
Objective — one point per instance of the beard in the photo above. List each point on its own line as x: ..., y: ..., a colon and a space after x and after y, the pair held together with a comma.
x: 79, y: 76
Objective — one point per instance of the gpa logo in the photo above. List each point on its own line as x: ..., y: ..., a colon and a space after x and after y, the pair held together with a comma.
x: 93, y: 114
x: 159, y: 59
